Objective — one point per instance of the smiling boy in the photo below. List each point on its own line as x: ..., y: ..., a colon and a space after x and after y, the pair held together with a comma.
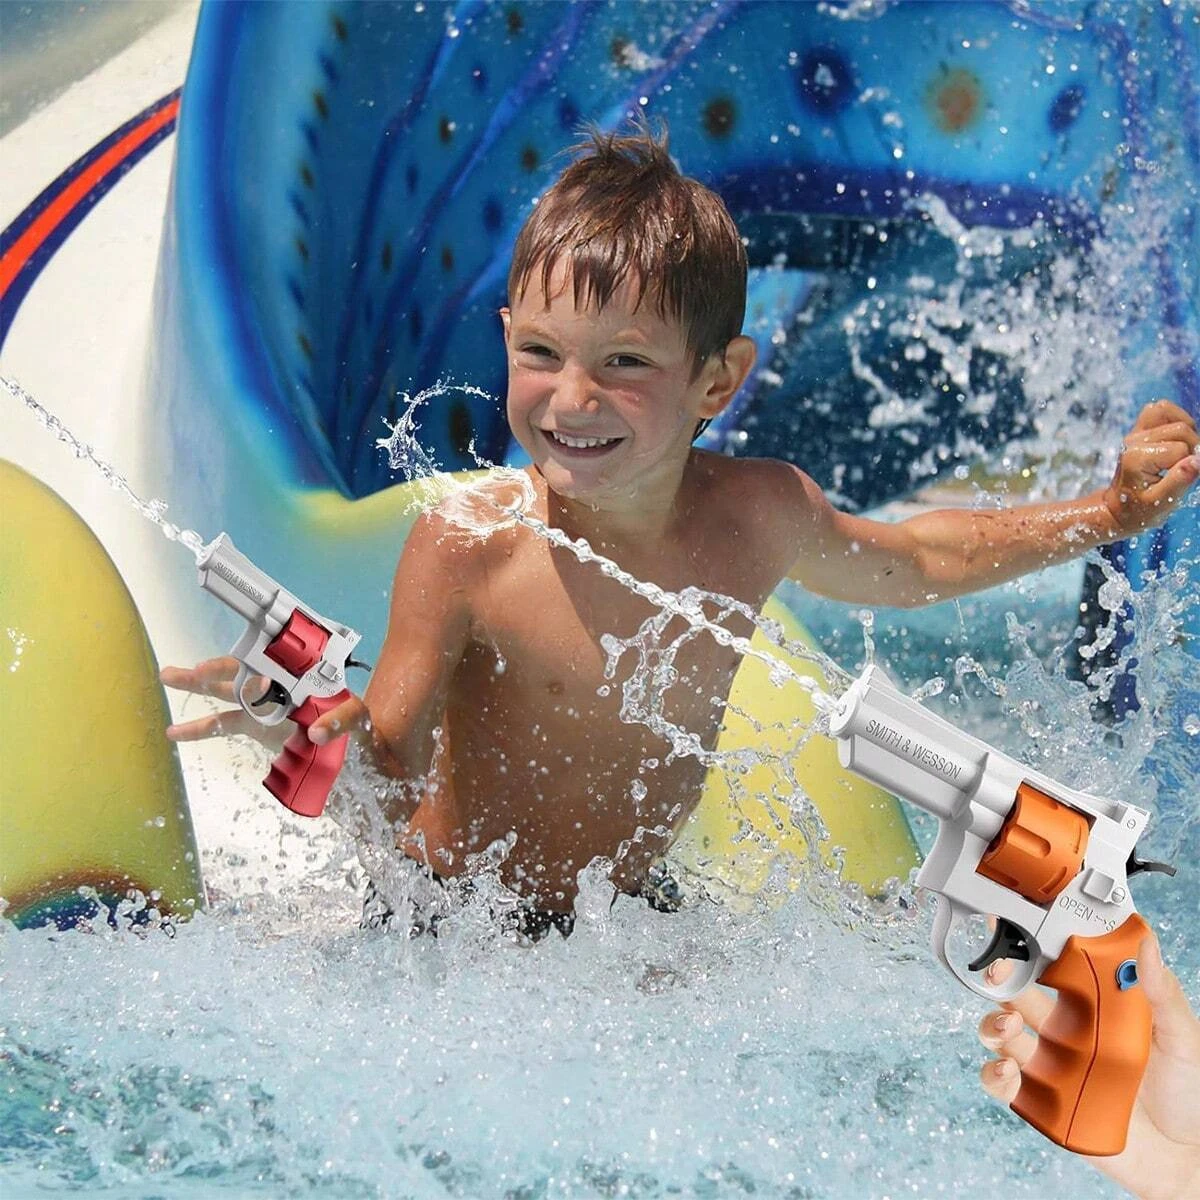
x: 623, y: 334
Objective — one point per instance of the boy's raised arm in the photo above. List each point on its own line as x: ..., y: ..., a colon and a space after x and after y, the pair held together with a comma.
x: 951, y: 552
x: 428, y: 627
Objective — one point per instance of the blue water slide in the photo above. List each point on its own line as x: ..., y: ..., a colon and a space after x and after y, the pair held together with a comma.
x: 350, y: 179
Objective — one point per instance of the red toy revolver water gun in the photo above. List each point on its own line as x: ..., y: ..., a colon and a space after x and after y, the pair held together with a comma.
x: 303, y: 655
x: 1051, y: 864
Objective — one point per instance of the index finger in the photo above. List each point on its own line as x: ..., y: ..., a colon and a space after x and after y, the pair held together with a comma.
x: 213, y: 677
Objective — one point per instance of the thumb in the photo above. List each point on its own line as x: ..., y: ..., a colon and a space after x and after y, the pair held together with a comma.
x: 1171, y: 487
x: 1174, y: 1021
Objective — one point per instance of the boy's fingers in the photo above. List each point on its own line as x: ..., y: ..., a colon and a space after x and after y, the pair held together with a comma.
x: 203, y: 678
x: 214, y: 677
x: 1175, y: 483
x: 1154, y: 459
x: 222, y: 724
x: 1173, y: 431
x: 1160, y: 412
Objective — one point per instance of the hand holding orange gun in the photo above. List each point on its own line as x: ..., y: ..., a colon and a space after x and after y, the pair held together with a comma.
x: 1051, y: 864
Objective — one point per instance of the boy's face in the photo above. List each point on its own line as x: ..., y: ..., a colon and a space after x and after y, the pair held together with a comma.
x: 604, y: 401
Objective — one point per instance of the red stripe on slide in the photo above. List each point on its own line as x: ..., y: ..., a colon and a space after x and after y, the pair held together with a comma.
x: 44, y: 225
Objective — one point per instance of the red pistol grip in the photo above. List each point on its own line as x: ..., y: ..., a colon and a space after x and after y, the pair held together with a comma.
x: 301, y: 777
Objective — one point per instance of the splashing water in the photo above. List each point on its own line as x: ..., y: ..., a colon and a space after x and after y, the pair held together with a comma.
x: 709, y: 1053
x: 152, y: 510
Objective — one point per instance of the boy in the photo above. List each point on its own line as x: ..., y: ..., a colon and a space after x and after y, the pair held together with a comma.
x: 623, y: 334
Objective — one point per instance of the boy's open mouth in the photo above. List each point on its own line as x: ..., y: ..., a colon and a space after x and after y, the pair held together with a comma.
x: 584, y: 447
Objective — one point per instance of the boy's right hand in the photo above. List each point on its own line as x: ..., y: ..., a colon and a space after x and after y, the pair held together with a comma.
x: 215, y: 677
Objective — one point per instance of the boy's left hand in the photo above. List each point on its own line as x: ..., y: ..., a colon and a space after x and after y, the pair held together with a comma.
x: 1158, y: 464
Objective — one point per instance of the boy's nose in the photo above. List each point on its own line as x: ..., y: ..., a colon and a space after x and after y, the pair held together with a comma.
x: 577, y: 391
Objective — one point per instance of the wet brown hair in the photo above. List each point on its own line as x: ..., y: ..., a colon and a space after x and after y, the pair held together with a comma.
x: 623, y: 209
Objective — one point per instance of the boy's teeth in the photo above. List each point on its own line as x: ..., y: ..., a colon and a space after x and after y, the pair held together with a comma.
x: 580, y: 443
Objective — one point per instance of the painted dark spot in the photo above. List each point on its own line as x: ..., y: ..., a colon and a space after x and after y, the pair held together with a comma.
x: 302, y: 248
x: 825, y: 80
x: 719, y: 118
x: 529, y: 159
x: 339, y: 27
x: 305, y: 345
x: 568, y: 113
x: 1065, y: 109
x: 514, y: 22
x: 306, y: 175
x: 412, y: 177
x: 416, y: 323
x: 310, y: 135
x: 618, y: 51
x: 321, y: 105
x: 328, y: 67
x: 385, y: 256
x: 447, y: 259
x: 493, y: 214
x: 461, y: 428
x: 954, y: 99
x: 299, y: 208
x: 296, y: 293
x: 445, y: 130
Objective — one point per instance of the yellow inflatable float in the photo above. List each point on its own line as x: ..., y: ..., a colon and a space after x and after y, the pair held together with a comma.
x: 733, y: 839
x: 92, y: 802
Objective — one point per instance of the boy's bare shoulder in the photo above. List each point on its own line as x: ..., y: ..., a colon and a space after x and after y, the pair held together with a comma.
x: 763, y: 483
x: 472, y: 523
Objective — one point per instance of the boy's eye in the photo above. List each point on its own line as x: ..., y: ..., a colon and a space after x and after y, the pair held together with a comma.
x: 628, y: 360
x: 537, y: 351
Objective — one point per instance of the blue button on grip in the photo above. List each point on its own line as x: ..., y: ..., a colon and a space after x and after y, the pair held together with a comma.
x: 1127, y: 975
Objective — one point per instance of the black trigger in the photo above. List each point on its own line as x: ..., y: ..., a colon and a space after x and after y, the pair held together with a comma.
x: 1007, y: 942
x: 275, y: 694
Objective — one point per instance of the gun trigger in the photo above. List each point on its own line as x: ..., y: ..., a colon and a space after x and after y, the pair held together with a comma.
x: 1135, y: 864
x: 353, y: 662
x: 1007, y: 942
x: 275, y: 694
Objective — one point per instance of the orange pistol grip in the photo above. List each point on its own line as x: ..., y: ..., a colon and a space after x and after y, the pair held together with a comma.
x: 1080, y: 1085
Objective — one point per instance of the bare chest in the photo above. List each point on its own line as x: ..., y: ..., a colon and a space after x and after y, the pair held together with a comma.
x: 563, y: 650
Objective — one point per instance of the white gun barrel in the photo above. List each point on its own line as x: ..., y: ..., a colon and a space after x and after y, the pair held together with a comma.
x: 230, y: 576
x: 895, y: 742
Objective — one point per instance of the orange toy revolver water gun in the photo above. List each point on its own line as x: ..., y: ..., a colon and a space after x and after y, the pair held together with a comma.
x: 1051, y: 864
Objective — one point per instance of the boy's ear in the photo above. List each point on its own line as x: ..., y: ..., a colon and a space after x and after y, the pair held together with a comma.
x: 506, y: 321
x: 726, y: 377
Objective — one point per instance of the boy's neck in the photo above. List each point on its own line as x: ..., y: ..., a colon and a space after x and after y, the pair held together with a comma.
x: 640, y: 521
